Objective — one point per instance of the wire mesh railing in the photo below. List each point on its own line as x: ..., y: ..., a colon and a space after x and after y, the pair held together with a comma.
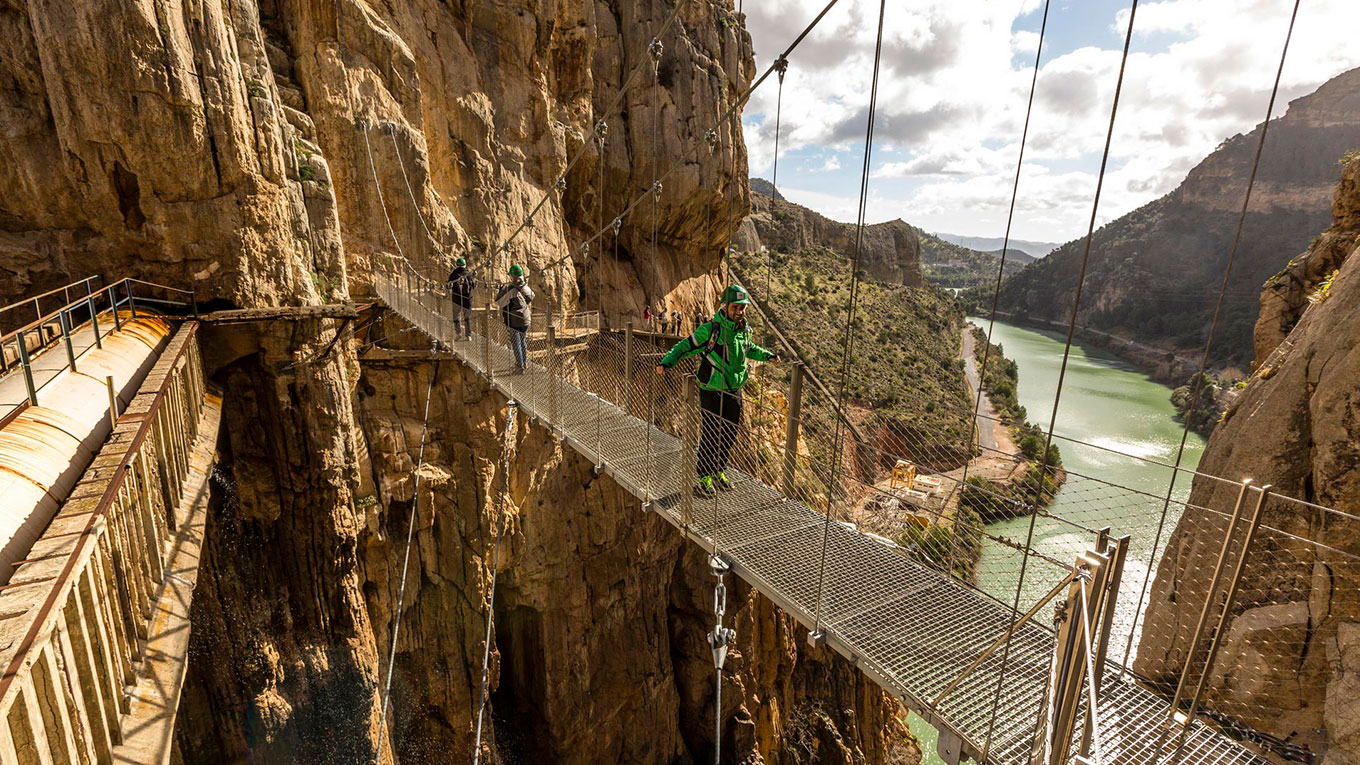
x: 917, y: 588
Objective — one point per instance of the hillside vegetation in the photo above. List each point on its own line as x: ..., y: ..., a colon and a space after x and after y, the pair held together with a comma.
x: 945, y: 264
x: 905, y: 376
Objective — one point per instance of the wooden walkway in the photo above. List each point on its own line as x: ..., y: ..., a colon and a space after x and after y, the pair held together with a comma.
x: 910, y: 628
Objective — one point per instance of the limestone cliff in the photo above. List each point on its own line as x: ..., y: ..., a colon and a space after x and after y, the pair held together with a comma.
x: 892, y: 250
x: 1154, y: 274
x: 214, y: 145
x: 1290, y: 665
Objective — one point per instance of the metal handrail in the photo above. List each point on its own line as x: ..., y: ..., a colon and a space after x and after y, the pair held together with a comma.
x: 64, y: 289
x: 62, y: 317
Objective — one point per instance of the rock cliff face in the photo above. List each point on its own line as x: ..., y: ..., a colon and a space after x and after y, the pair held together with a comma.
x: 1155, y: 273
x: 213, y: 146
x: 892, y: 251
x: 1290, y: 664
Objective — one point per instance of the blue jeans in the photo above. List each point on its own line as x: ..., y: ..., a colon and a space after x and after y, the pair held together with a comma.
x: 520, y: 346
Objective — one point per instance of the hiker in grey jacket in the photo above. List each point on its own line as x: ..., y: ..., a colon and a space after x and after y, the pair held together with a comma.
x: 514, y: 300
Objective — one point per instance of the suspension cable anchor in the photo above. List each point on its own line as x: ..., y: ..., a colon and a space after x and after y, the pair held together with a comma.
x: 711, y: 138
x: 656, y: 190
x: 618, y: 225
x: 656, y: 49
x: 718, y: 640
x: 781, y: 66
x: 362, y: 123
x: 388, y: 127
x: 816, y: 638
x: 718, y: 565
x: 561, y: 184
x: 601, y: 130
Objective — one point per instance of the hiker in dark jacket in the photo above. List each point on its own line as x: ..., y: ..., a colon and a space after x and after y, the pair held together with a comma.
x: 514, y: 300
x: 726, y: 344
x: 460, y: 292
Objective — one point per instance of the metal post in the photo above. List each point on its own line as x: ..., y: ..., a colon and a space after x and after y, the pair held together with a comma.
x: 113, y: 402
x: 486, y: 343
x: 1229, y: 599
x: 66, y: 336
x: 1067, y: 674
x: 37, y: 311
x: 627, y: 398
x: 553, y: 385
x: 1208, y: 601
x: 94, y: 322
x: 687, y: 463
x: 791, y: 429
x: 112, y: 293
x: 132, y: 301
x: 28, y: 369
x: 1117, y: 553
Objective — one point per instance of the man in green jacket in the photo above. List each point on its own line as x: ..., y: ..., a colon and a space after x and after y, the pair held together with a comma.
x: 724, y: 344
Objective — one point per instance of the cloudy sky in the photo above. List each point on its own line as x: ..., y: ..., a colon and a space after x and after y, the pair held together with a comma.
x: 952, y: 94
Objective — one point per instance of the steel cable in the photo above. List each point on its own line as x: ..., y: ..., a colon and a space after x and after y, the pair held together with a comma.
x: 495, y: 565
x: 1005, y: 247
x: 848, y: 345
x: 1198, y: 379
x: 1062, y: 370
x: 613, y: 106
x: 405, y: 563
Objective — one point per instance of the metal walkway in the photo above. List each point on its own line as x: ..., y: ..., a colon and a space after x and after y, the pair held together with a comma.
x: 910, y: 628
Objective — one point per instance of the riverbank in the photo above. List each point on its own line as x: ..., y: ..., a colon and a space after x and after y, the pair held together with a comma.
x: 1162, y: 365
x: 1118, y: 431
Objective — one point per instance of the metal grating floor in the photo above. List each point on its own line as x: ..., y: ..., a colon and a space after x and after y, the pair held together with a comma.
x: 908, y: 627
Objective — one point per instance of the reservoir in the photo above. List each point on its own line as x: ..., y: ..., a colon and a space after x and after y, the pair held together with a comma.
x: 1114, y: 425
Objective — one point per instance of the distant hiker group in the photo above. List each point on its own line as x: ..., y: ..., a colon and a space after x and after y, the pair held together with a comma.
x: 667, y: 322
x: 514, y: 298
x: 723, y: 343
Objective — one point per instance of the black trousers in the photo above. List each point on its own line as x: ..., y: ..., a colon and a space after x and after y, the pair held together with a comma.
x: 720, y: 418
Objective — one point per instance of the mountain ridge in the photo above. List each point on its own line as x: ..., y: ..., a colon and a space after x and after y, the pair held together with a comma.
x: 1155, y: 273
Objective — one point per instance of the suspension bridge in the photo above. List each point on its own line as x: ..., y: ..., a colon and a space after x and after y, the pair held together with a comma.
x: 107, y: 436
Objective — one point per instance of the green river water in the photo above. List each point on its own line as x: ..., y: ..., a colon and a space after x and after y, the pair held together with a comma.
x: 1124, y: 421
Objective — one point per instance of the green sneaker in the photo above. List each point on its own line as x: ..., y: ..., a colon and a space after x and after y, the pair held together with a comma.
x: 721, y: 479
x: 705, y: 487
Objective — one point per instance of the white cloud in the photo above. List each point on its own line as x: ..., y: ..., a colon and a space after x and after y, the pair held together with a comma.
x: 956, y: 78
x: 831, y: 164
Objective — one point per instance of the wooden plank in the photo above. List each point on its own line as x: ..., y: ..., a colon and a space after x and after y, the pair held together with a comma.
x: 282, y: 313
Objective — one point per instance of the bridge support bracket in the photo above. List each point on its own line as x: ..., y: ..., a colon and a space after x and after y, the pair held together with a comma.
x: 601, y: 467
x: 817, y: 638
x: 949, y: 746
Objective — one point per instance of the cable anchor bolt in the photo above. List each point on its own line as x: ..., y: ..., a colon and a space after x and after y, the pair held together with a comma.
x: 362, y: 123
x: 388, y: 127
x: 656, y: 49
x: 718, y: 640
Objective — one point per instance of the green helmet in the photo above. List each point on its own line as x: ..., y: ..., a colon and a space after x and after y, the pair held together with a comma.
x: 460, y: 262
x: 517, y: 270
x: 735, y: 295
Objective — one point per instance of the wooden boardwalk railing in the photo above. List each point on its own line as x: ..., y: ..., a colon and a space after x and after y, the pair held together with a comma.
x: 84, y: 620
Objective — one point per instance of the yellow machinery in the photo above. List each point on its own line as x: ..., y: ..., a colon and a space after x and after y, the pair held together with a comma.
x: 903, y: 476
